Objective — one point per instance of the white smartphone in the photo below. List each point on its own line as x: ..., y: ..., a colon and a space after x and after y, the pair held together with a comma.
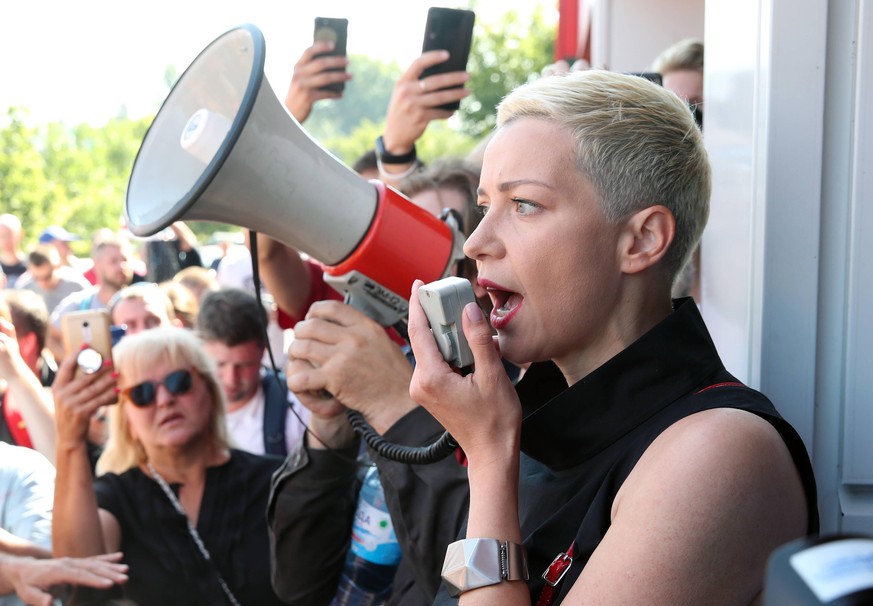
x: 443, y: 302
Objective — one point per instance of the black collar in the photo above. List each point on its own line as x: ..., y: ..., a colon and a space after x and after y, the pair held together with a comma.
x: 565, y: 426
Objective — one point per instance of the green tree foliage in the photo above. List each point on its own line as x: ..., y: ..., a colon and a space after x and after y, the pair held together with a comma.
x: 365, y: 99
x: 75, y: 177
x: 24, y: 190
x: 505, y: 55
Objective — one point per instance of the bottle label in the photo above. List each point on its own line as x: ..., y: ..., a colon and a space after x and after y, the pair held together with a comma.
x: 373, y: 536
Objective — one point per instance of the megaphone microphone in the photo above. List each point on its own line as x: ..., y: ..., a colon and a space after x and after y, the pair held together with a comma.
x: 223, y: 148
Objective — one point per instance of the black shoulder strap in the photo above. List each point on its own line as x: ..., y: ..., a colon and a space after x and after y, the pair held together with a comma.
x: 275, y: 415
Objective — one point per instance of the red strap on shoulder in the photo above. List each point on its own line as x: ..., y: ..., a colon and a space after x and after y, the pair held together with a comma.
x: 461, y: 456
x: 725, y: 384
x: 554, y: 574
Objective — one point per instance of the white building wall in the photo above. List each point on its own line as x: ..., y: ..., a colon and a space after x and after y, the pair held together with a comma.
x: 786, y: 272
x: 627, y: 35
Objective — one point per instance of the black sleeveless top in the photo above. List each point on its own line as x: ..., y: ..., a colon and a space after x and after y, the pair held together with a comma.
x: 580, y: 443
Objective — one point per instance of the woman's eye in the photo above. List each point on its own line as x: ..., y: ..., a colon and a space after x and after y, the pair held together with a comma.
x: 525, y: 207
x: 482, y: 209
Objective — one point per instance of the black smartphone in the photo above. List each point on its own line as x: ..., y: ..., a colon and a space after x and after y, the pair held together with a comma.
x: 452, y: 30
x: 332, y: 30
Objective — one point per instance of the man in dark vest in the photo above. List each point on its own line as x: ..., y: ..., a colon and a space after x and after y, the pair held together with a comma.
x: 232, y: 325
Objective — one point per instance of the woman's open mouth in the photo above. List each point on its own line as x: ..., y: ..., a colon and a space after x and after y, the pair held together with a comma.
x: 506, y: 305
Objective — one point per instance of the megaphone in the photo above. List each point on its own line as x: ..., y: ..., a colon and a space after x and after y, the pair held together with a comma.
x: 223, y: 148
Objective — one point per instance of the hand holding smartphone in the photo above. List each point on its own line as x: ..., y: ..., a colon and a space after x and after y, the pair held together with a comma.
x: 329, y: 29
x: 452, y: 30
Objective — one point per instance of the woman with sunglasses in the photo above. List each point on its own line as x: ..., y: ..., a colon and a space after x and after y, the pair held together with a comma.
x: 185, y: 508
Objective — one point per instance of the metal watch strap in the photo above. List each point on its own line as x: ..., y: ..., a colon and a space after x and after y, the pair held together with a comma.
x: 474, y: 563
x: 387, y: 157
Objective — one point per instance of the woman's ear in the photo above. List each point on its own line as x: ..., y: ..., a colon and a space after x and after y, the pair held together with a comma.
x: 646, y: 237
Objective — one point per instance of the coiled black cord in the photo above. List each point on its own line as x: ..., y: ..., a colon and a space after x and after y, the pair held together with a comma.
x: 412, y: 455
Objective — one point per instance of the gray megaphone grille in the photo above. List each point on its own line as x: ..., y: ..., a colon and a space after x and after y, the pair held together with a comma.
x: 223, y: 148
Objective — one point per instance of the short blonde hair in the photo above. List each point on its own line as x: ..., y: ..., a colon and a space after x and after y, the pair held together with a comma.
x: 636, y: 142
x: 684, y: 55
x: 148, y: 292
x: 132, y: 356
x: 198, y: 280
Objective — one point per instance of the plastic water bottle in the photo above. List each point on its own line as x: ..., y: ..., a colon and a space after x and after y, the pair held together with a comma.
x: 372, y: 560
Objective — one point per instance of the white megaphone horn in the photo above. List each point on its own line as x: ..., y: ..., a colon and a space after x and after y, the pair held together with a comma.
x: 223, y: 148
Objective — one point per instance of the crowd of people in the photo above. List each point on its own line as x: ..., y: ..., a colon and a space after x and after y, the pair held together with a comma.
x: 605, y: 455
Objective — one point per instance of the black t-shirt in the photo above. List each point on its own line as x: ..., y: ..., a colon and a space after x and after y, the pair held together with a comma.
x: 165, y: 565
x: 13, y: 271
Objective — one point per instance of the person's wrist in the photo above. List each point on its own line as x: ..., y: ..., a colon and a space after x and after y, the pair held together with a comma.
x: 394, y: 177
x: 329, y: 432
x: 71, y: 445
x: 21, y: 373
x: 391, y: 151
x: 384, y: 418
x: 10, y: 568
x: 480, y: 562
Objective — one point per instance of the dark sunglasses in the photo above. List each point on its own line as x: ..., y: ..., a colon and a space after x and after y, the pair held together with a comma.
x: 144, y: 394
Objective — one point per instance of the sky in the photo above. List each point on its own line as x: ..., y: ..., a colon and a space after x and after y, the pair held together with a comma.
x: 83, y: 61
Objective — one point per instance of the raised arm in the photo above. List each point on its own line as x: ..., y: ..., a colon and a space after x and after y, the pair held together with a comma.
x: 27, y: 395
x: 78, y: 527
x: 482, y: 412
x: 414, y: 104
x: 310, y: 74
x: 187, y: 239
x: 285, y: 274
